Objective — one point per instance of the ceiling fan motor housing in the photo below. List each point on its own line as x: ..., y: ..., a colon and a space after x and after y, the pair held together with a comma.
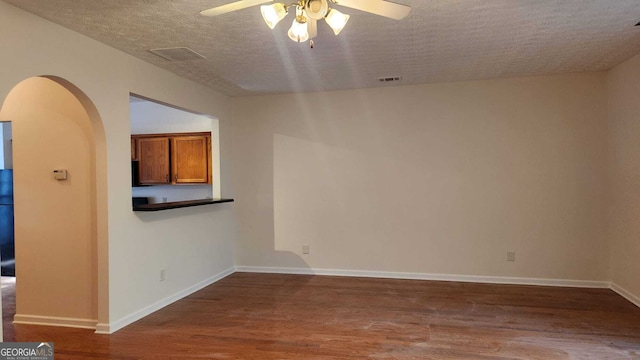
x: 316, y: 9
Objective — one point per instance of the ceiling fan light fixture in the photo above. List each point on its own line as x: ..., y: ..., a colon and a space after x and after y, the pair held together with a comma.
x: 272, y: 14
x: 336, y: 20
x: 309, y: 12
x: 299, y: 31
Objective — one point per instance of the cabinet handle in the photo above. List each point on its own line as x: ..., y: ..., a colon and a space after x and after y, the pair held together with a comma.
x: 167, y: 177
x: 176, y: 178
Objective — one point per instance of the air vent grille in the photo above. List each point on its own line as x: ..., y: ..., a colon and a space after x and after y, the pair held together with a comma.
x: 177, y: 54
x: 389, y: 79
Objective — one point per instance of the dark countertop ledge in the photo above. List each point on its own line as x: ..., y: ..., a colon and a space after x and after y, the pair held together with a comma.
x: 179, y: 204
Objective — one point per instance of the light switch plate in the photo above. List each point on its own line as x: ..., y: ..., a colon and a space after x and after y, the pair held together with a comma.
x: 60, y: 174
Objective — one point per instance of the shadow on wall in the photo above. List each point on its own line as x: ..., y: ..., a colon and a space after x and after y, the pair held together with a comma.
x: 155, y: 216
x: 266, y: 231
x: 316, y: 187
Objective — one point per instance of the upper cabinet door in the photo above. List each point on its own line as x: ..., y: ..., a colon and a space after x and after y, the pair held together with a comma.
x: 190, y: 159
x: 153, y: 157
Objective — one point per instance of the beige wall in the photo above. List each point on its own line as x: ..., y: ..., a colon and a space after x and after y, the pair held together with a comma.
x: 624, y: 169
x: 442, y: 178
x: 193, y: 245
x: 55, y: 224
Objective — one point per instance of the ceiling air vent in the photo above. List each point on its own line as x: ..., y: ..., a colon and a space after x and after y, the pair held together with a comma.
x: 177, y: 54
x: 390, y: 79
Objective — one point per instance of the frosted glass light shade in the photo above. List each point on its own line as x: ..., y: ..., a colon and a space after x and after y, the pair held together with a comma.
x: 299, y: 31
x: 272, y: 14
x: 336, y: 20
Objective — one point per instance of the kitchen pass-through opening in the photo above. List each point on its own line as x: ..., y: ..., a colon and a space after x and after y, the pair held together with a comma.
x: 175, y: 153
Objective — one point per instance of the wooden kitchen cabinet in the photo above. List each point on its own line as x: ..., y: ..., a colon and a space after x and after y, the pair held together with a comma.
x: 190, y: 160
x: 174, y: 158
x: 153, y: 160
x: 134, y: 149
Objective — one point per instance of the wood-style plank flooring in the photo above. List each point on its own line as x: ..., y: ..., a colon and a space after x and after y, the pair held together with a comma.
x: 8, y: 306
x: 260, y: 316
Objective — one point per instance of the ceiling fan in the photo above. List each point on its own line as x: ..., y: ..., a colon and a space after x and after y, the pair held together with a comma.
x: 308, y: 12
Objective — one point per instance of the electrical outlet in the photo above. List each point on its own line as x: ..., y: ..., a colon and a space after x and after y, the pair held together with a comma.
x: 305, y: 249
x: 164, y: 199
x: 162, y: 275
x: 511, y: 256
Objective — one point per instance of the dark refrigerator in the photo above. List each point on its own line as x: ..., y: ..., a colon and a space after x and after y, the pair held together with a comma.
x: 7, y: 249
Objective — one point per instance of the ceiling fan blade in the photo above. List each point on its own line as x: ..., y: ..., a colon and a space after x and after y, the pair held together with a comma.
x: 234, y: 6
x: 312, y: 28
x: 378, y: 7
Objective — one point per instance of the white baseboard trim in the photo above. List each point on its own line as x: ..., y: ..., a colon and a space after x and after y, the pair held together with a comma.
x: 625, y: 294
x: 426, y: 276
x: 131, y: 318
x: 54, y: 321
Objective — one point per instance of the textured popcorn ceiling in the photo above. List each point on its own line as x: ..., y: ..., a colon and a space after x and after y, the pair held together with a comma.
x: 441, y: 40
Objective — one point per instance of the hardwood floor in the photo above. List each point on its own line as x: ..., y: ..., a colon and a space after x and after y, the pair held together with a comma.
x: 260, y: 316
x: 8, y: 305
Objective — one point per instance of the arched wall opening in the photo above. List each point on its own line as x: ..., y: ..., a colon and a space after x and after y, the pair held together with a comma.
x: 61, y: 234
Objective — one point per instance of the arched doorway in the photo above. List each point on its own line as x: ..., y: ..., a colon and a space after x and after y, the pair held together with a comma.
x: 60, y: 224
